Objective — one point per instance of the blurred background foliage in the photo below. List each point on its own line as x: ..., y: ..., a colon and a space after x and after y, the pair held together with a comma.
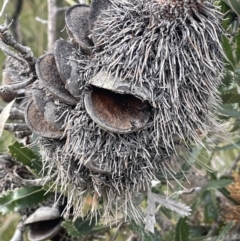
x: 214, y: 201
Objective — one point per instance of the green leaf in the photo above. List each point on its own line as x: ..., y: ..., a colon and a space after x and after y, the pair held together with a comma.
x: 226, y: 110
x: 229, y: 53
x: 84, y: 226
x: 169, y: 177
x: 228, y: 147
x: 182, y: 230
x: 230, y: 98
x: 144, y: 234
x: 237, y: 71
x: 71, y: 230
x: 235, y: 127
x: 234, y: 5
x: 224, y: 231
x: 211, y: 210
x: 100, y: 228
x: 198, y: 230
x: 37, y: 166
x: 211, y: 185
x: 228, y: 78
x: 22, y: 153
x: 81, y: 228
x: 224, y: 7
x: 237, y: 37
x: 166, y: 212
x: 192, y: 158
x: 22, y: 198
x: 26, y: 156
x: 224, y: 190
x: 216, y: 184
x: 168, y: 235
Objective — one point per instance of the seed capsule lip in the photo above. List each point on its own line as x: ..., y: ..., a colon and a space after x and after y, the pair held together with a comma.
x: 49, y: 77
x: 36, y: 122
x: 43, y: 214
x: 38, y: 235
x: 115, y: 88
x: 109, y: 82
x: 63, y: 50
x: 43, y: 224
x: 116, y: 113
x: 78, y: 27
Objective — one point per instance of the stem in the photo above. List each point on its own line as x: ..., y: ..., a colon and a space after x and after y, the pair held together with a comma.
x: 12, y: 127
x: 13, y: 87
x: 22, y: 134
x: 52, y: 20
x: 15, y: 114
x: 35, y: 182
x: 24, y: 51
x: 12, y: 54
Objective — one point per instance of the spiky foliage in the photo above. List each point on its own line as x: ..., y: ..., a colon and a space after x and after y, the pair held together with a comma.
x: 170, y: 47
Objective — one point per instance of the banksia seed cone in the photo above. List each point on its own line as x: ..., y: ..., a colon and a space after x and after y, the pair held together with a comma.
x: 134, y: 86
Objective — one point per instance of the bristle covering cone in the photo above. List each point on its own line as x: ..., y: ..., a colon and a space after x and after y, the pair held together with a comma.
x: 172, y: 48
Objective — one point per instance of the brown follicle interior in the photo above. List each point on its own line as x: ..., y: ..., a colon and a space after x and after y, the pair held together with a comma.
x: 48, y: 71
x: 37, y: 123
x: 121, y: 111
